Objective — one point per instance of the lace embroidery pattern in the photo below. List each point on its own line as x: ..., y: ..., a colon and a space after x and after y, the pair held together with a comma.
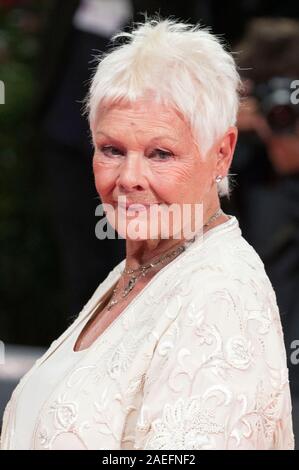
x: 198, y: 362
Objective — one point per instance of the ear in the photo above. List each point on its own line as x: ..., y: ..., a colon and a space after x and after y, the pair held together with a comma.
x: 225, y: 151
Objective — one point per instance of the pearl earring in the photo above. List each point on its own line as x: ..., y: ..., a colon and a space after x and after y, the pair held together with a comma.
x: 218, y: 178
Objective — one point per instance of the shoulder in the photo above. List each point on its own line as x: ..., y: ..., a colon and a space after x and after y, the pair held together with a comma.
x: 223, y: 354
x: 229, y: 255
x: 229, y: 267
x: 232, y: 306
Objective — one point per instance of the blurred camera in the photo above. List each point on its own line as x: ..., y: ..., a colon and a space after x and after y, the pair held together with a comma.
x: 275, y: 101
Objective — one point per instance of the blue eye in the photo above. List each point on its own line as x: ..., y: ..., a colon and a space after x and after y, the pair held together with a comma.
x: 110, y: 150
x: 163, y: 154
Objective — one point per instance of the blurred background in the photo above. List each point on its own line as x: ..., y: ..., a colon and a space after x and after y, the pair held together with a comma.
x: 46, y: 182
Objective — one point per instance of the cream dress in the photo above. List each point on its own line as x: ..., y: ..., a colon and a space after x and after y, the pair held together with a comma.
x: 195, y: 361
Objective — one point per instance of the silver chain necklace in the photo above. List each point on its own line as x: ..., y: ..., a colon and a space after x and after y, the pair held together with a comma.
x: 143, y: 269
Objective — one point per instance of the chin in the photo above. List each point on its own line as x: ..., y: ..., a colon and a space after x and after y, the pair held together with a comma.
x: 141, y: 233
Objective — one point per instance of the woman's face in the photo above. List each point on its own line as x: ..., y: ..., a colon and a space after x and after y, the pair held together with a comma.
x: 145, y: 151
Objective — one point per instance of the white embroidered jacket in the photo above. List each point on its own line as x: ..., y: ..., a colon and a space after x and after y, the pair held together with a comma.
x: 196, y: 361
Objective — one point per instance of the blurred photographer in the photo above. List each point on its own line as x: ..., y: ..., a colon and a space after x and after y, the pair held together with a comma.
x: 266, y: 196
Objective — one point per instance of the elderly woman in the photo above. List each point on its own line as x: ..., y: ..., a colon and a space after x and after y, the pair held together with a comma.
x: 181, y: 346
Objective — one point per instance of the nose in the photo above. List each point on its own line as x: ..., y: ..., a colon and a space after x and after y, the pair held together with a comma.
x: 132, y: 175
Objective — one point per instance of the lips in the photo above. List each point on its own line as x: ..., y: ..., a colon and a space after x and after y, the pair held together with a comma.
x: 133, y: 208
x: 135, y: 205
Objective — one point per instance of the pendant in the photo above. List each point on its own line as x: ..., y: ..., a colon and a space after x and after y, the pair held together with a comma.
x: 130, y: 285
x: 111, y: 303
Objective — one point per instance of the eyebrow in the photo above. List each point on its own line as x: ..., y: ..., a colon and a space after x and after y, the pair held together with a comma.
x: 152, y: 140
x: 109, y: 137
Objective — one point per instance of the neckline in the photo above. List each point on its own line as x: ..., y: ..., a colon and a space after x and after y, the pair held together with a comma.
x: 202, y: 237
x: 231, y: 223
x: 89, y: 316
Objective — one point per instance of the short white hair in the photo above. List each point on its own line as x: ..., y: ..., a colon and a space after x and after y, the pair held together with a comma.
x: 184, y: 65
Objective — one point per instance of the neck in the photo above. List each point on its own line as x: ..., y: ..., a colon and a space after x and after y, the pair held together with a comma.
x: 140, y: 252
